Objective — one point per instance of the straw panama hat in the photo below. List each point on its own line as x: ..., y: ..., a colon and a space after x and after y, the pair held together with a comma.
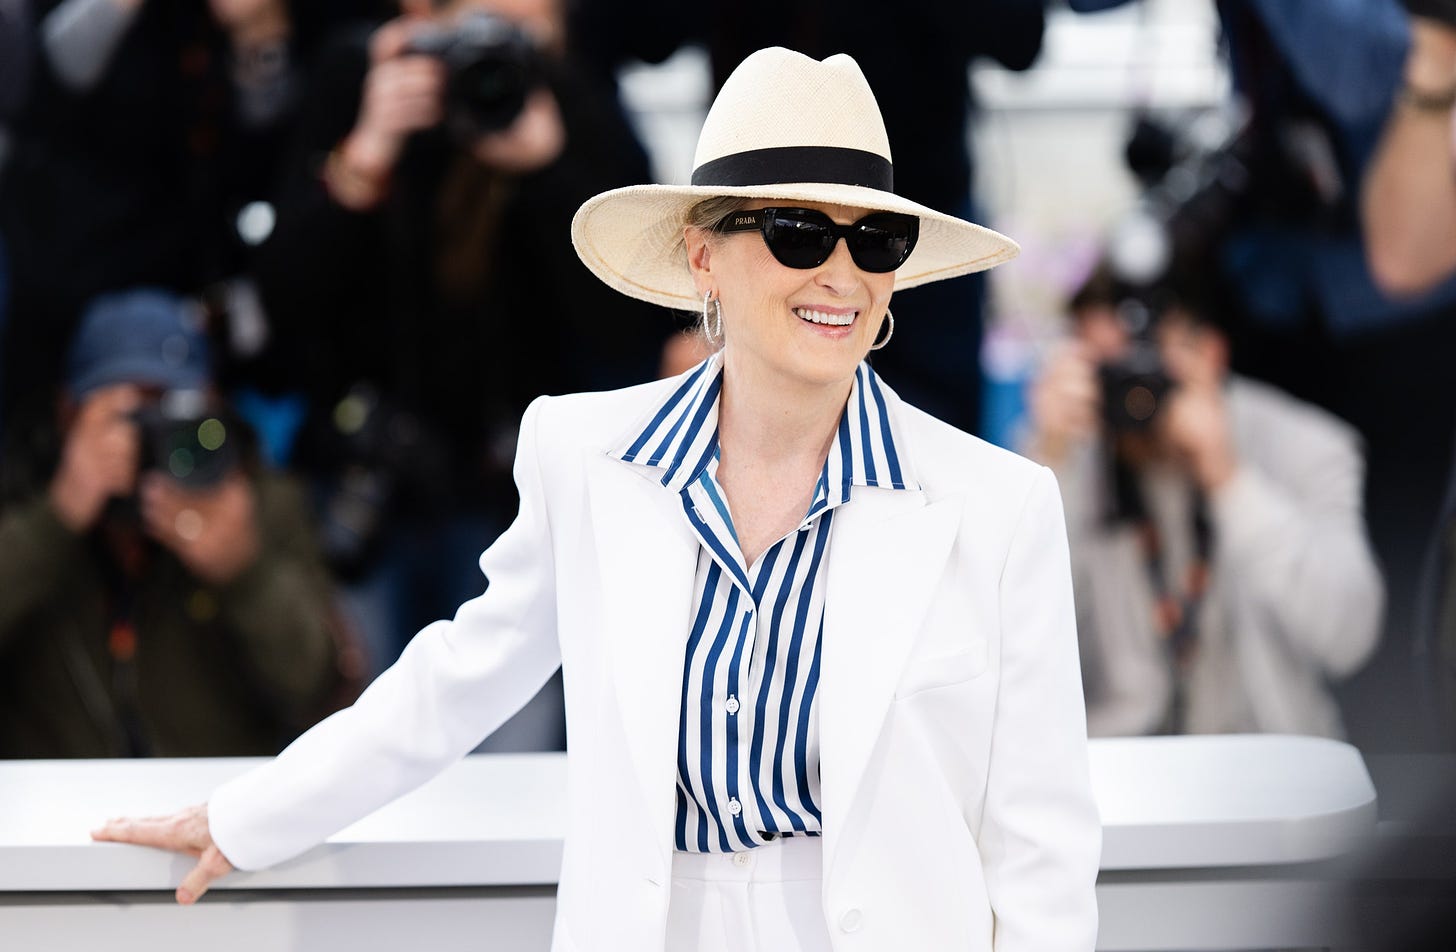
x: 784, y: 126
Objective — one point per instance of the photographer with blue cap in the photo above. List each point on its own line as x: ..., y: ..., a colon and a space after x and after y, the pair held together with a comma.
x: 160, y: 593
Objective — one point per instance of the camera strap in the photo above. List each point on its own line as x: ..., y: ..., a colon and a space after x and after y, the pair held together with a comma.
x: 122, y: 643
x: 1176, y: 608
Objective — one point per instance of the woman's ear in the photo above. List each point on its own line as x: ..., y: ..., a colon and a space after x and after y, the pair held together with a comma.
x: 700, y: 257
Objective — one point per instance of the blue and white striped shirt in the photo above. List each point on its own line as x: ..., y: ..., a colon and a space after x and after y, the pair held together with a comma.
x: 748, y: 738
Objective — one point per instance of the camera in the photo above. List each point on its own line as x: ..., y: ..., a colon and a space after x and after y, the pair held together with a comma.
x: 1133, y: 389
x: 1135, y: 385
x: 491, y: 64
x: 1162, y: 254
x: 181, y: 436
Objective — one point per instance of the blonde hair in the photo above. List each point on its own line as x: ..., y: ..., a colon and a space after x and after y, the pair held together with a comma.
x: 705, y: 215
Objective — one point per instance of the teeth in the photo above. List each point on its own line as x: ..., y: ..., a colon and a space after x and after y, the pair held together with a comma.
x: 819, y: 317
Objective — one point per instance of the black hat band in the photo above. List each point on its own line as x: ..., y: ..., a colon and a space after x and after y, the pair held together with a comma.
x: 795, y: 164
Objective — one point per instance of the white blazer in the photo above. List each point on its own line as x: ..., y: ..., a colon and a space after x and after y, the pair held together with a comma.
x: 957, y: 805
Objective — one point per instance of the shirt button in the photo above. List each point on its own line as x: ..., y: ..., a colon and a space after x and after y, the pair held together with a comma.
x: 850, y: 921
x: 742, y: 859
x: 734, y: 807
x: 732, y: 706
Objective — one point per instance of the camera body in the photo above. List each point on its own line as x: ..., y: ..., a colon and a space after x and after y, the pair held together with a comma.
x: 183, y: 437
x: 491, y: 65
x: 1134, y: 388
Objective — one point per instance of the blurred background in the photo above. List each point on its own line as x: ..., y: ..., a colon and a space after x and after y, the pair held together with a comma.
x: 277, y: 279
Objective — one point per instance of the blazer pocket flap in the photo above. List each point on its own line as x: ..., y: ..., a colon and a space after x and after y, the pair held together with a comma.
x: 926, y: 674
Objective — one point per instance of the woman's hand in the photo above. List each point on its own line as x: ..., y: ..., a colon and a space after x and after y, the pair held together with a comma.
x: 186, y: 831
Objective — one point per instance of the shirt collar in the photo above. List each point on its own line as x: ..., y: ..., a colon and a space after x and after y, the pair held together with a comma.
x: 680, y: 435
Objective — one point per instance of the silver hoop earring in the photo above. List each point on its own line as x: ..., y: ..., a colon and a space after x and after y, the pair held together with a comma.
x: 888, y: 334
x: 712, y: 329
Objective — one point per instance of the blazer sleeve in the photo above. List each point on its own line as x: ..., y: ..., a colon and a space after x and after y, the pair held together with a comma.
x: 456, y: 682
x: 1041, y: 836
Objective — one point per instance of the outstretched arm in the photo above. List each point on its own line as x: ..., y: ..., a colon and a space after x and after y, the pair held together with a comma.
x: 1409, y: 202
x: 456, y: 682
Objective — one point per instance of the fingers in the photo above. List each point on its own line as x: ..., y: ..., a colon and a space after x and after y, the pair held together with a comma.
x: 391, y: 39
x: 159, y: 832
x: 110, y: 402
x: 1066, y: 400
x: 404, y: 95
x: 213, y: 531
x: 534, y: 140
x: 211, y: 867
x: 167, y: 513
x: 187, y: 832
x: 100, y: 456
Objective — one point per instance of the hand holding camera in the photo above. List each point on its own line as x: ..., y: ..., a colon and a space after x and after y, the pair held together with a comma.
x: 193, y: 497
x: 480, y: 75
x: 404, y: 91
x: 212, y: 530
x: 403, y: 94
x: 532, y: 141
x: 100, y: 457
x: 1066, y: 402
x: 1195, y: 423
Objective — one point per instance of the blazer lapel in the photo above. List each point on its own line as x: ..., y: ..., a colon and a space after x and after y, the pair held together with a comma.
x: 886, y: 559
x: 647, y: 556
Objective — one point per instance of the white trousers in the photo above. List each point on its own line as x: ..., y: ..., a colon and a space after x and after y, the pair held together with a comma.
x: 762, y: 900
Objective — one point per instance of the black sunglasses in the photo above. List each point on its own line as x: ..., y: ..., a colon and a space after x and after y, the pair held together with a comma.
x: 805, y: 237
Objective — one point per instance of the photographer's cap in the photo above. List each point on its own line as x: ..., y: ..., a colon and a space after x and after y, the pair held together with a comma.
x: 147, y: 336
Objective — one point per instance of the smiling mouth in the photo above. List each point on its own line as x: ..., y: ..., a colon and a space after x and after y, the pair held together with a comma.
x: 822, y: 317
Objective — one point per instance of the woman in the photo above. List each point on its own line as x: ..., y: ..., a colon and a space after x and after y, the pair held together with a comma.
x: 814, y: 640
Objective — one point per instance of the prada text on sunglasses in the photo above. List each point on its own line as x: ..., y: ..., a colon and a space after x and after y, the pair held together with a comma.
x: 805, y: 237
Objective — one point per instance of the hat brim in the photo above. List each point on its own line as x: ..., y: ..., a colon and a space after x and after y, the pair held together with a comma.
x: 631, y: 237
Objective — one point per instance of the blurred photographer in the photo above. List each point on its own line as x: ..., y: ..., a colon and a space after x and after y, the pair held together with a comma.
x: 141, y: 130
x: 424, y: 287
x: 160, y: 593
x: 1408, y: 211
x: 1223, y: 575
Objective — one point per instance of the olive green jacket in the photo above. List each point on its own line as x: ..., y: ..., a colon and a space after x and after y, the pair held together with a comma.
x: 225, y: 670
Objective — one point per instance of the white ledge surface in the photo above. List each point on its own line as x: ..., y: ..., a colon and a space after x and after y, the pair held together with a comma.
x: 498, y: 820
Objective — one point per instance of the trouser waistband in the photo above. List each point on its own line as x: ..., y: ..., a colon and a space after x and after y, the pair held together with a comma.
x: 791, y: 859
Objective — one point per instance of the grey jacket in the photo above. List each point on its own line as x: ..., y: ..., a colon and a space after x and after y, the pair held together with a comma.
x: 1295, y: 599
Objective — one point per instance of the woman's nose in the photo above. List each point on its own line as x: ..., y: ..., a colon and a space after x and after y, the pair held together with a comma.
x: 839, y: 273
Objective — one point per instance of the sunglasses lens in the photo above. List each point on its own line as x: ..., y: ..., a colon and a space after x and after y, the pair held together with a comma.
x: 805, y: 238
x: 881, y: 243
x: 799, y: 237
